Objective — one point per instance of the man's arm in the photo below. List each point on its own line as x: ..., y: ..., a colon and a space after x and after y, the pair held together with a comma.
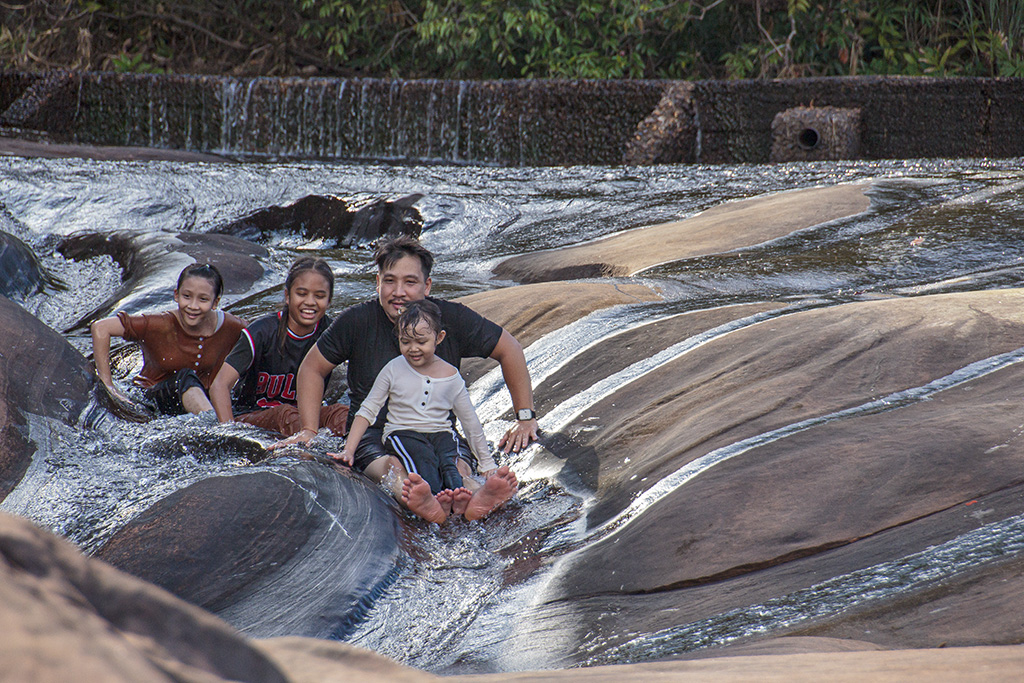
x: 509, y: 354
x: 309, y: 396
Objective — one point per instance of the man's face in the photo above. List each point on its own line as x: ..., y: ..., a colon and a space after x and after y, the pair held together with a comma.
x: 401, y: 283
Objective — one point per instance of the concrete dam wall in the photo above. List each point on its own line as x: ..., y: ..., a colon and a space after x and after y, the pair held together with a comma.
x: 522, y: 122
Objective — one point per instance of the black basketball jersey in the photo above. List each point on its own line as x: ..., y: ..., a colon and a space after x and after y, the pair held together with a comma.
x: 267, y: 369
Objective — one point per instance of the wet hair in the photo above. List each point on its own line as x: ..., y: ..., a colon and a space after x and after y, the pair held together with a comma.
x: 395, y: 248
x: 416, y: 312
x: 207, y: 272
x: 302, y: 265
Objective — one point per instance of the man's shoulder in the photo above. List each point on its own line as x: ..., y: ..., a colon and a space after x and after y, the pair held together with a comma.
x: 453, y: 309
x: 352, y: 326
x: 357, y: 313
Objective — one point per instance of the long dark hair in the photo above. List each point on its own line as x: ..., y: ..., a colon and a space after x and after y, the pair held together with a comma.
x: 302, y: 265
x: 207, y: 272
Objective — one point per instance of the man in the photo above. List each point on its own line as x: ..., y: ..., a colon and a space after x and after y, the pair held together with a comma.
x: 364, y: 336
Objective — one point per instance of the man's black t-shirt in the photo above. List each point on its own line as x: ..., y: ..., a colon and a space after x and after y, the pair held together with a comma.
x: 364, y: 335
x: 267, y: 370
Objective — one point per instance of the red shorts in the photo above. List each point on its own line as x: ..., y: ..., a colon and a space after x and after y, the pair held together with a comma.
x: 284, y: 418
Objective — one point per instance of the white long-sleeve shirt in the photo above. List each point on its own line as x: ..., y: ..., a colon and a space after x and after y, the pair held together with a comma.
x: 420, y: 403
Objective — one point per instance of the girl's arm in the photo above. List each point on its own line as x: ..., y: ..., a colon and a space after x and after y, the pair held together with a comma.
x: 220, y: 392
x: 463, y: 407
x: 371, y: 405
x: 309, y: 395
x: 359, y: 426
x: 102, y: 331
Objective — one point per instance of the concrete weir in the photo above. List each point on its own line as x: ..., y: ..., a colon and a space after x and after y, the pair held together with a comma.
x: 517, y: 123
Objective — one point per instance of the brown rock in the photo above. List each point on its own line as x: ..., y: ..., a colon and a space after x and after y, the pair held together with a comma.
x: 733, y: 225
x: 65, y: 617
x: 307, y: 660
x: 831, y: 497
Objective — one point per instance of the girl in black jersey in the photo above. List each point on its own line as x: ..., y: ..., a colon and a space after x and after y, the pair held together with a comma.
x: 267, y: 355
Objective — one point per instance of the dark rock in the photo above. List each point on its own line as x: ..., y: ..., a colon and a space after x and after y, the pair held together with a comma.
x: 20, y: 271
x: 302, y: 551
x: 331, y: 218
x: 149, y: 276
x: 40, y: 374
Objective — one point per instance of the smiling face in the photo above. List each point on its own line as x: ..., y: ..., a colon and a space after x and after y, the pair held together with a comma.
x: 418, y: 344
x: 196, y: 301
x: 400, y: 284
x: 307, y: 300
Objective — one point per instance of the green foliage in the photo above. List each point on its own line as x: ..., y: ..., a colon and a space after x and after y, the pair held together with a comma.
x: 520, y: 38
x: 584, y: 39
x: 134, y: 64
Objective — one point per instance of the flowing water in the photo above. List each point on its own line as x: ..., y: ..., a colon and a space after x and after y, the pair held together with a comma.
x: 934, y: 226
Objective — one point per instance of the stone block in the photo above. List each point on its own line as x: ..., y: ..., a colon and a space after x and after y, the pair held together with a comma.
x: 816, y: 134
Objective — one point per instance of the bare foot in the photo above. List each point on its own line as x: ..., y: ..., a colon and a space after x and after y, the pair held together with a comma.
x: 460, y: 500
x: 416, y: 496
x: 497, y: 489
x: 444, y: 499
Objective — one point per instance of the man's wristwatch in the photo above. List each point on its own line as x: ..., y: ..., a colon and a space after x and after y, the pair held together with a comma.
x: 525, y: 414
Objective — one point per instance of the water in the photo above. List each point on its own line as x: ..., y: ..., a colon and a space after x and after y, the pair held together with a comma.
x: 935, y: 226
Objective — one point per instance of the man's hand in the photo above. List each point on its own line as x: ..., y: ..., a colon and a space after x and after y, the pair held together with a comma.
x: 303, y: 437
x: 519, y: 437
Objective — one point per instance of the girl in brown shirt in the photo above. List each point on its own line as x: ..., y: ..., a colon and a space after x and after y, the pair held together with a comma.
x: 182, y: 350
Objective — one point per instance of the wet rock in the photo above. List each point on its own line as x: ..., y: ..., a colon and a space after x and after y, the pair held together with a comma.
x: 68, y: 617
x: 332, y: 219
x: 730, y: 226
x: 306, y: 660
x: 151, y: 264
x: 20, y: 271
x: 303, y: 550
x: 531, y: 311
x: 40, y: 374
x: 18, y: 144
x: 853, y: 480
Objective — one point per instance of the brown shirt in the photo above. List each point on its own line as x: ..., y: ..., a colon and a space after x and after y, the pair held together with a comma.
x: 167, y: 347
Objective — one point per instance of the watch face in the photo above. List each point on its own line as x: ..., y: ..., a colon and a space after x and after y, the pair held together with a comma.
x: 525, y: 414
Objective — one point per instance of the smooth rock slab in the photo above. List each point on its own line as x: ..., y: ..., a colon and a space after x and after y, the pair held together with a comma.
x: 65, y: 617
x: 40, y: 374
x: 733, y: 225
x: 792, y: 500
x: 303, y: 550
